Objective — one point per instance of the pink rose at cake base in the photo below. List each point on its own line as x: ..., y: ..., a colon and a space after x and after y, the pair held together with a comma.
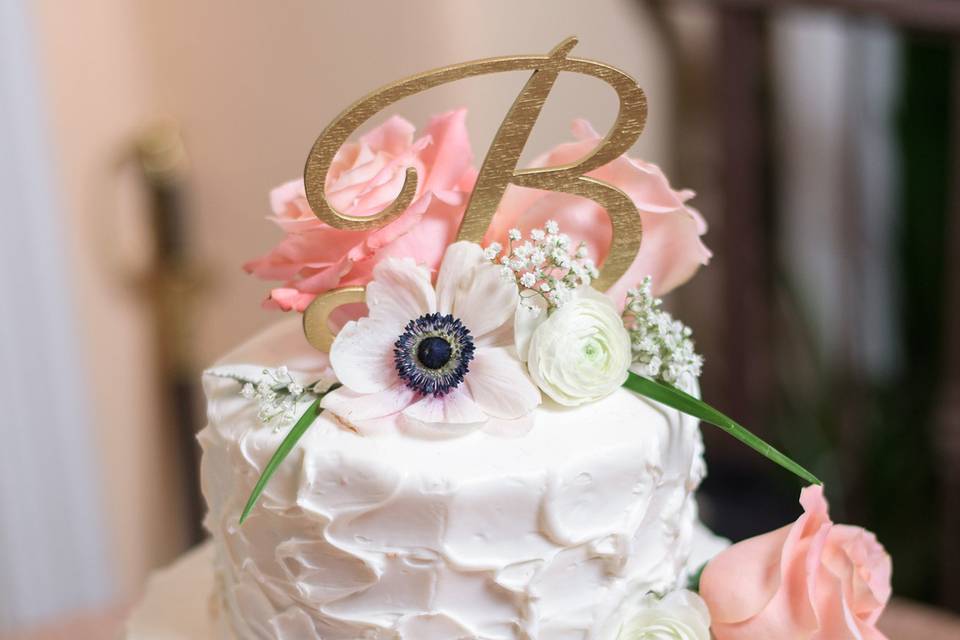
x: 810, y: 579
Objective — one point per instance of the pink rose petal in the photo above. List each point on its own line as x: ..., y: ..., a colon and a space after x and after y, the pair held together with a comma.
x: 365, y: 177
x: 811, y: 579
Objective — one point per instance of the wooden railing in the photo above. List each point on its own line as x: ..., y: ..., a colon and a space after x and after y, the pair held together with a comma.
x: 928, y: 15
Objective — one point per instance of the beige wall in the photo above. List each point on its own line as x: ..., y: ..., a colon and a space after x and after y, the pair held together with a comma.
x: 253, y: 83
x: 100, y: 90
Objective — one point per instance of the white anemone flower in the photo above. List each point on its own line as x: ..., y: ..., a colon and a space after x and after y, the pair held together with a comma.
x: 441, y: 356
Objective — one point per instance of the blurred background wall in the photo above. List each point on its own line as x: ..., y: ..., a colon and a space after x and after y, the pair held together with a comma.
x: 818, y: 138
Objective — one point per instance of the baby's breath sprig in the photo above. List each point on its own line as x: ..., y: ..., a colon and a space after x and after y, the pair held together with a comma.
x: 544, y: 265
x: 662, y: 346
x: 277, y: 394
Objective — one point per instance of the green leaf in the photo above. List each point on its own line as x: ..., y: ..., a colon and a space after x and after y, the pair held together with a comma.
x: 693, y: 582
x: 283, y: 451
x: 690, y: 405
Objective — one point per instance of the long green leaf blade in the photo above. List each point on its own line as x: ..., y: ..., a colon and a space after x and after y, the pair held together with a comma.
x: 281, y: 453
x: 690, y: 405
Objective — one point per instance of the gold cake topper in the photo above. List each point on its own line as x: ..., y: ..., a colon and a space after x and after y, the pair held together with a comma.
x: 499, y: 167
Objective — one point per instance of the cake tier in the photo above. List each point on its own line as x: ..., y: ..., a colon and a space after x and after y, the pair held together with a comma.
x: 177, y: 603
x: 502, y: 533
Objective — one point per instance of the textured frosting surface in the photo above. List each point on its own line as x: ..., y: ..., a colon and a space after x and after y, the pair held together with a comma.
x: 537, y: 532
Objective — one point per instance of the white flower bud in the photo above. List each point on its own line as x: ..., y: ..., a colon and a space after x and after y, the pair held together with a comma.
x: 581, y: 352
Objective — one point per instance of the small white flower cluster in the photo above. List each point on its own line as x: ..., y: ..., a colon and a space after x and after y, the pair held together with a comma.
x: 276, y: 395
x: 544, y: 265
x: 661, y: 345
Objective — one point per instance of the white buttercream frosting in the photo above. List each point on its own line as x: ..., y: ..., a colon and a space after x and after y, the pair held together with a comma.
x: 500, y: 533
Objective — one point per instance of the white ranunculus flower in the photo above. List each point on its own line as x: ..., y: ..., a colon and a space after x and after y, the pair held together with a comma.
x: 581, y: 351
x: 680, y: 615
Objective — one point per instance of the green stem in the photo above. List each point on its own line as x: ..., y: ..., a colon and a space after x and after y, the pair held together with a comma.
x: 289, y: 442
x: 695, y: 407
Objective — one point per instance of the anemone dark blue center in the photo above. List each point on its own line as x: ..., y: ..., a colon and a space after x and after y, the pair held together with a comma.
x: 433, y: 354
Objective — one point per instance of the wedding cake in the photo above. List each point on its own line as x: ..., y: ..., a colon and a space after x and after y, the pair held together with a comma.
x: 475, y: 431
x: 490, y: 534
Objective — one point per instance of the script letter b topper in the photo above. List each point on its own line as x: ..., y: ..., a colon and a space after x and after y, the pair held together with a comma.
x: 499, y: 167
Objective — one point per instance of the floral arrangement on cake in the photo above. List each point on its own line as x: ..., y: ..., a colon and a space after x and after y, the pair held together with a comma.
x: 456, y: 336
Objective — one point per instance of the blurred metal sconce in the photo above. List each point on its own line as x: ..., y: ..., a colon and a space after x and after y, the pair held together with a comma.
x: 168, y: 284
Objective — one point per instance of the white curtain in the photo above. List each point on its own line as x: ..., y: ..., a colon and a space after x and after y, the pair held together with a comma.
x: 837, y: 90
x: 52, y: 556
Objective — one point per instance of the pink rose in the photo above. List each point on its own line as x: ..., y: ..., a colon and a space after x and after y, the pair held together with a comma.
x: 364, y: 178
x: 671, y: 250
x: 811, y: 580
